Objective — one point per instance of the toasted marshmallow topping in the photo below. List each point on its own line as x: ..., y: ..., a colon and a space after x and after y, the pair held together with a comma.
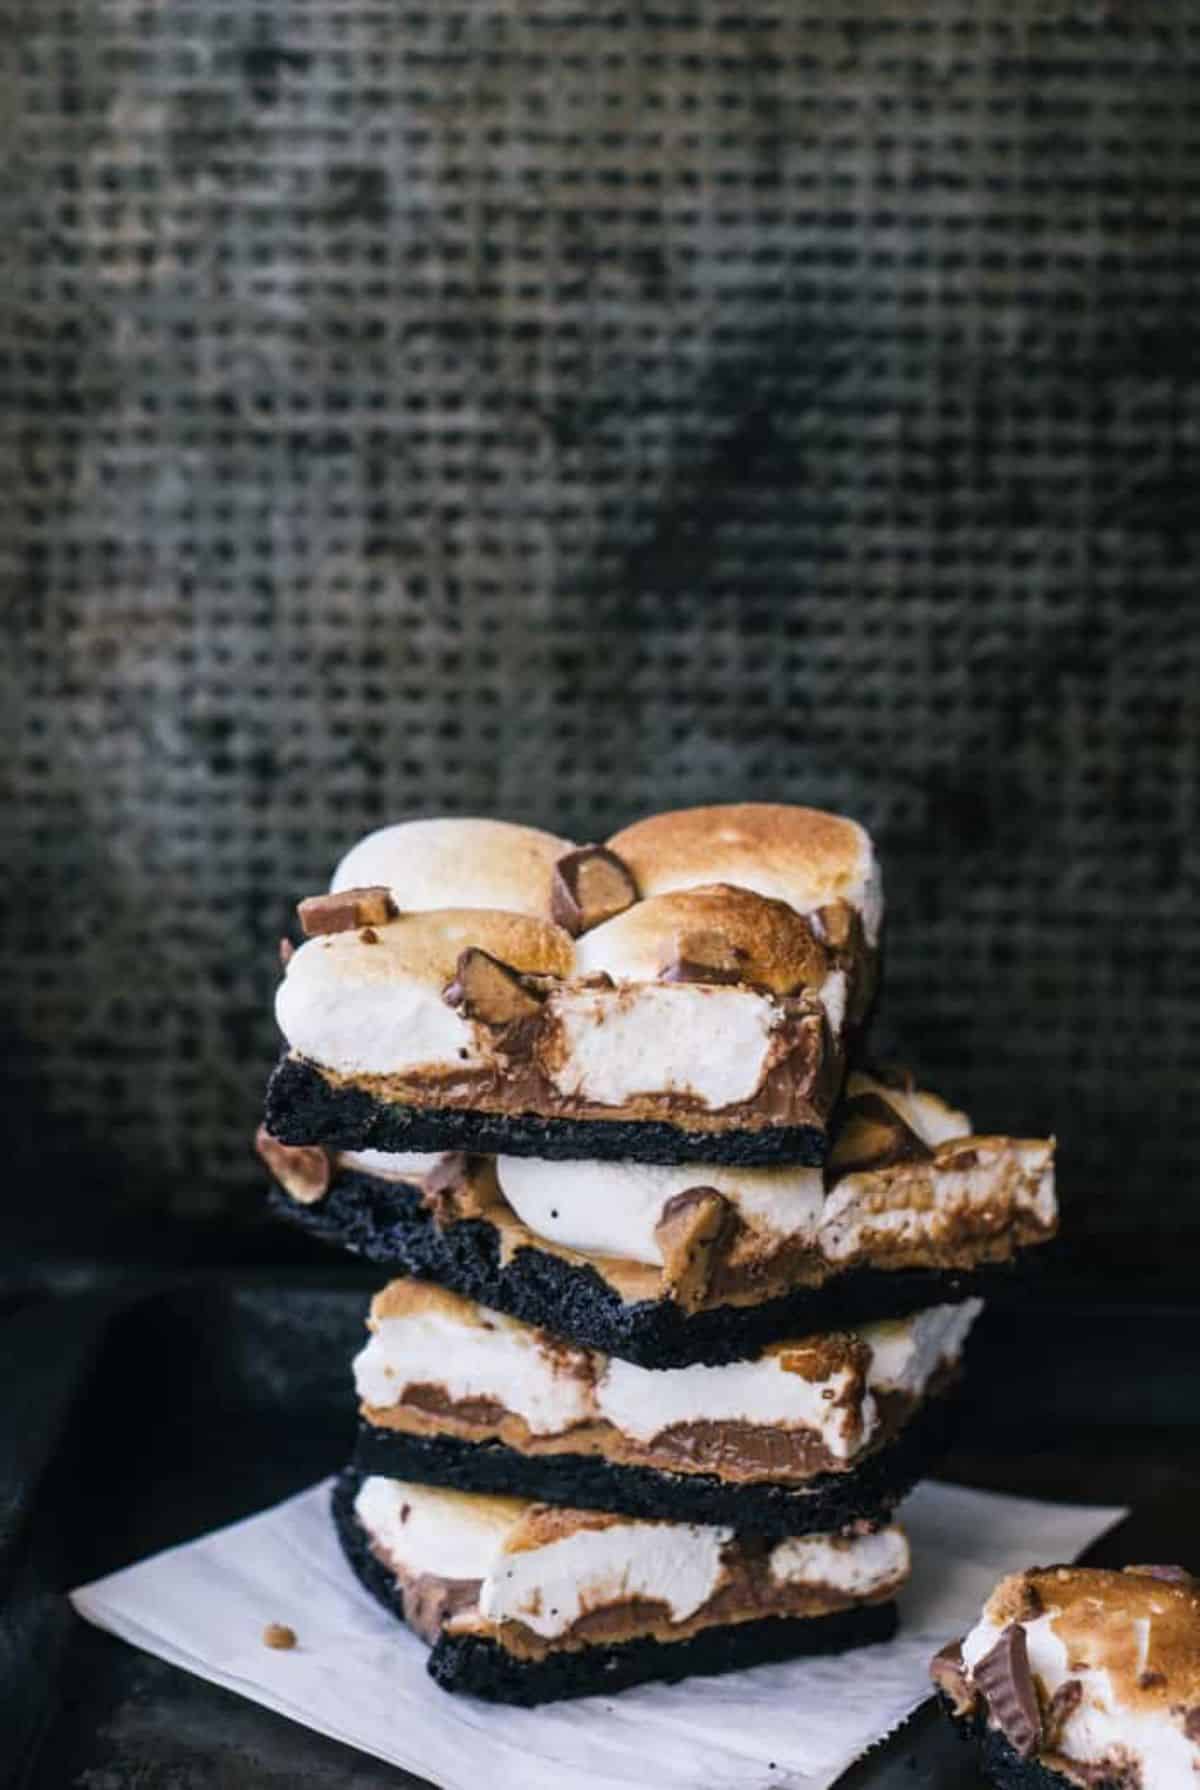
x: 456, y: 863
x: 547, y: 1568
x: 424, y: 1337
x: 1115, y: 1662
x: 799, y: 855
x: 372, y: 1001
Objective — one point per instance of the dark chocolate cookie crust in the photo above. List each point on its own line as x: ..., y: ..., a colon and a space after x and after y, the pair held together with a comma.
x: 1001, y: 1765
x: 386, y: 1222
x: 303, y: 1108
x: 831, y: 1501
x: 473, y: 1666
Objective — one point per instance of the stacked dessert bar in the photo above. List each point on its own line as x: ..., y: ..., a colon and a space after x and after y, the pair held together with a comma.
x: 679, y: 1299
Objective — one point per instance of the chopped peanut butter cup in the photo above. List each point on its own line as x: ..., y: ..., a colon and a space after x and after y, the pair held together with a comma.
x: 347, y: 911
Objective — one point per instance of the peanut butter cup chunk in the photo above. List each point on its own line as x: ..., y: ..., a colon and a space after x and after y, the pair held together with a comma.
x: 347, y: 911
x: 590, y: 885
x: 705, y: 957
x: 694, y: 1228
x: 486, y: 989
x: 1003, y: 1678
x: 873, y: 1136
x: 302, y: 1170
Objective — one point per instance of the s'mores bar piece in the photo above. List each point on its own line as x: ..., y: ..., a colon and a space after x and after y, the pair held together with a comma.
x: 685, y: 992
x: 1080, y: 1677
x: 672, y: 1264
x: 814, y: 1433
x: 524, y: 1603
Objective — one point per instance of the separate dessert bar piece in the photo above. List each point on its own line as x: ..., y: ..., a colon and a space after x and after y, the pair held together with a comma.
x: 668, y: 1265
x: 684, y: 993
x: 1080, y: 1677
x: 523, y: 1603
x: 815, y: 1433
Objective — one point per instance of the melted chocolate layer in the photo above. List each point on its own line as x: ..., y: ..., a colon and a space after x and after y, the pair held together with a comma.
x: 827, y: 1502
x: 305, y: 1106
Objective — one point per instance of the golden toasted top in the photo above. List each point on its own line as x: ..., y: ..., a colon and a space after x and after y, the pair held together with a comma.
x: 427, y: 946
x: 1140, y: 1628
x: 742, y: 936
x: 764, y: 894
x: 799, y: 855
x: 457, y: 863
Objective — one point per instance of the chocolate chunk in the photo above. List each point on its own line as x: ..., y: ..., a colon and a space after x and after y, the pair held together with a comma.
x: 691, y: 1231
x: 590, y: 885
x: 1059, y: 1710
x: 346, y: 911
x: 1004, y: 1679
x: 286, y: 952
x: 704, y: 957
x: 873, y: 1136
x: 486, y: 989
x: 442, y: 1187
x: 1174, y: 1575
x: 838, y: 924
x: 303, y: 1170
x: 1151, y: 1681
x: 949, y: 1674
x: 1191, y: 1725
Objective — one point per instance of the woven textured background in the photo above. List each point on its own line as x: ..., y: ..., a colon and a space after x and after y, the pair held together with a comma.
x: 567, y: 411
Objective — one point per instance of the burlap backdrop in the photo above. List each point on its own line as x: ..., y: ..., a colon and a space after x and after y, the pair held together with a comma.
x: 566, y: 411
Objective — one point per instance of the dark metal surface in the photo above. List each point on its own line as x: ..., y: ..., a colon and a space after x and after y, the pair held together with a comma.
x: 133, y: 1421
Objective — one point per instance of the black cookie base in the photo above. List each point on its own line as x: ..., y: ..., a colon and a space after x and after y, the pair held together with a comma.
x: 1003, y: 1766
x: 304, y: 1108
x: 386, y: 1222
x: 830, y: 1501
x: 472, y: 1666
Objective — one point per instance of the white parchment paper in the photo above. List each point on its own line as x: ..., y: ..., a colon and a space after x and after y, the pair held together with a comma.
x: 359, y: 1676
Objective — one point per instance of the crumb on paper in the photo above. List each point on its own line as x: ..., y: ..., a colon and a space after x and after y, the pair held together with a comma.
x: 279, y: 1635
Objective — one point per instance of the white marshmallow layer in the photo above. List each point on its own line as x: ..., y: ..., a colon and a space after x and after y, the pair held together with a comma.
x: 553, y: 1387
x: 547, y: 1588
x: 612, y: 1208
x: 709, y: 1043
